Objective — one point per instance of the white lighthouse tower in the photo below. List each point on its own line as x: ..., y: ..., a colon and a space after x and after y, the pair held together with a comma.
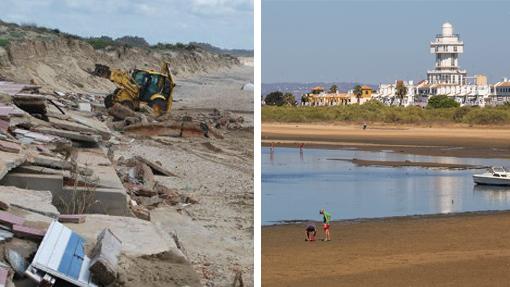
x: 447, y: 47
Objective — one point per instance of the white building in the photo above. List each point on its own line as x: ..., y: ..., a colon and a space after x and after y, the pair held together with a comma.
x: 501, y: 92
x: 387, y: 94
x: 447, y: 79
x: 447, y: 47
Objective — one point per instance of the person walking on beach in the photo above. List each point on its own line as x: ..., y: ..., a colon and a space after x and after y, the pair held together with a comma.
x: 326, y: 219
x: 310, y: 232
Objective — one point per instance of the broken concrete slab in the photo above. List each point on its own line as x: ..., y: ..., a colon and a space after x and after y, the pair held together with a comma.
x: 27, y: 168
x: 12, y: 88
x: 173, y: 128
x: 96, y: 160
x: 33, y: 200
x: 9, y: 161
x: 5, y: 235
x: 72, y: 135
x: 104, y: 258
x: 41, y: 182
x: 33, y: 104
x: 106, y: 200
x: 85, y: 107
x: 138, y: 237
x: 141, y: 212
x: 29, y: 136
x: 69, y: 124
x: 156, y: 168
x: 17, y: 262
x: 57, y: 163
x: 143, y: 173
x: 92, y: 123
x: 7, y: 111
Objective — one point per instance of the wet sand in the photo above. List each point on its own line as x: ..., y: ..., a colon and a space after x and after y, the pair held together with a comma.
x: 456, y: 141
x: 448, y: 250
x: 408, y: 163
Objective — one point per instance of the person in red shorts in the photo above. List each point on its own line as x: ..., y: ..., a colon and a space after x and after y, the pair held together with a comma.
x: 326, y: 219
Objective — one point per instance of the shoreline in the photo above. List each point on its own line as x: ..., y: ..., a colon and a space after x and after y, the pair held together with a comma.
x: 454, y: 141
x: 388, y: 218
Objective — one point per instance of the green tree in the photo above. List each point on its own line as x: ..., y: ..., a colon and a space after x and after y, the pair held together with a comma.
x: 400, y: 91
x: 289, y: 99
x: 304, y: 98
x: 333, y: 89
x: 357, y: 92
x: 442, y: 101
x: 274, y: 98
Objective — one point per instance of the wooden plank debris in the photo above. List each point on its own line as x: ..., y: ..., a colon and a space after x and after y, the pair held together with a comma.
x: 28, y: 232
x: 10, y: 219
x: 72, y: 218
x: 9, y: 146
x: 4, y: 277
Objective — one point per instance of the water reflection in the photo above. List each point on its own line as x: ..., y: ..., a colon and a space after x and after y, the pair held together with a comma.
x: 296, y: 187
x: 498, y: 194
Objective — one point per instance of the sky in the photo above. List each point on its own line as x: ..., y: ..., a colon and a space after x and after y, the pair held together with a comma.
x: 378, y: 41
x: 223, y: 23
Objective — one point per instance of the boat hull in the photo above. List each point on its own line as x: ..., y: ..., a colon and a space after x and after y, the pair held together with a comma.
x: 489, y: 180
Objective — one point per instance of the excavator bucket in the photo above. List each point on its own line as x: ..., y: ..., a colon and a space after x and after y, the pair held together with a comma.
x: 102, y: 71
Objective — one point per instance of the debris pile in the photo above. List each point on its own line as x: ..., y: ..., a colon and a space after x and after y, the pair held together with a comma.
x: 145, y: 192
x: 58, y: 150
x: 57, y: 163
x: 215, y: 118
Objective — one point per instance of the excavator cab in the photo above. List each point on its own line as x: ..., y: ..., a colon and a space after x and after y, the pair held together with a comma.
x: 155, y: 89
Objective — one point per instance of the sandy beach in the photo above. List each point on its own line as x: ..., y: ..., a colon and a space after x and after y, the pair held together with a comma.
x: 457, y: 141
x: 446, y: 250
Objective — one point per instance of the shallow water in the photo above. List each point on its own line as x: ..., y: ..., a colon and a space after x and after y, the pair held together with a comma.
x: 295, y: 186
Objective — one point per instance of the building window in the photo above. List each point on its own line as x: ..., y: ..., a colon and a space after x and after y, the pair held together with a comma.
x: 455, y: 48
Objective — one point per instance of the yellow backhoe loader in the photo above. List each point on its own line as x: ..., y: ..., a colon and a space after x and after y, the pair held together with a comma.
x: 140, y: 86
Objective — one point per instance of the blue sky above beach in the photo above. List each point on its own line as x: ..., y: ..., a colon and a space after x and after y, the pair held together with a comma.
x: 223, y: 23
x: 378, y: 41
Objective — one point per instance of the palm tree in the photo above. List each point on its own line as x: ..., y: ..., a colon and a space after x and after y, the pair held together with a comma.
x: 358, y: 92
x: 400, y: 91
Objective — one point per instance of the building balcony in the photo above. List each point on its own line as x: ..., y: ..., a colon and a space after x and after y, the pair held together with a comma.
x: 450, y: 49
x: 452, y: 36
x: 447, y: 72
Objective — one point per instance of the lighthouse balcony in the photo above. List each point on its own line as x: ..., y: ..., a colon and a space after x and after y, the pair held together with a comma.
x: 446, y: 49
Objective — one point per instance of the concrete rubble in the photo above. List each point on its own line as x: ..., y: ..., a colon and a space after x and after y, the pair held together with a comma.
x: 105, y: 257
x: 57, y: 168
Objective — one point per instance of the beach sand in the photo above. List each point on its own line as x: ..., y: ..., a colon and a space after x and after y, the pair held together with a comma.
x: 446, y: 250
x: 457, y: 141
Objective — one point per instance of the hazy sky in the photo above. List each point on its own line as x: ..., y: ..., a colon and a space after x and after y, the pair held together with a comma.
x: 224, y: 23
x: 378, y: 41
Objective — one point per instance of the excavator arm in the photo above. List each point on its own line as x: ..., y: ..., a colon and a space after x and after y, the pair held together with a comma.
x: 120, y: 78
x: 166, y: 70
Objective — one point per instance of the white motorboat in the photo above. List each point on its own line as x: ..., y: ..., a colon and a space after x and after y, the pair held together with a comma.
x: 493, y: 176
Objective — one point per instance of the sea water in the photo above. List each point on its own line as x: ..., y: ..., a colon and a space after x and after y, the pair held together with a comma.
x: 296, y: 185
